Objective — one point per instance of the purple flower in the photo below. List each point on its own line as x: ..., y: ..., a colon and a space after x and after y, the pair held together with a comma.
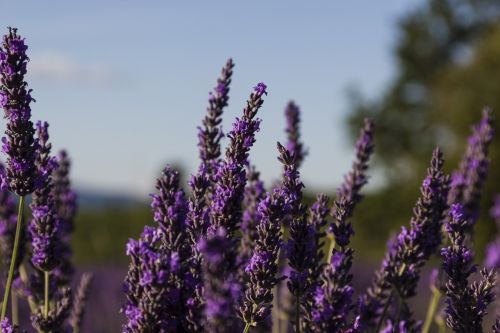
x: 400, y: 270
x: 221, y: 294
x: 230, y: 179
x: 210, y: 134
x: 468, y: 180
x: 335, y: 278
x: 262, y: 269
x: 152, y: 286
x: 169, y: 210
x: 44, y: 226
x: 292, y: 114
x: 66, y: 207
x: 254, y: 193
x: 15, y: 98
x: 260, y: 89
x: 465, y: 303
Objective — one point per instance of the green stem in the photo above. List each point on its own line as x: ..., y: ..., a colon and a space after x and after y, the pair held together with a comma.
x: 330, y: 250
x: 14, y: 308
x: 13, y: 259
x: 297, y: 315
x: 431, y: 310
x: 247, y: 328
x: 381, y: 320
x: 46, y: 303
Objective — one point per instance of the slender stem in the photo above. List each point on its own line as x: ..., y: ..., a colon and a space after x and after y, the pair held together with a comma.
x: 431, y: 310
x: 297, y: 314
x: 330, y: 249
x: 46, y: 303
x: 14, y: 308
x: 381, y: 320
x: 247, y: 328
x: 24, y: 277
x: 13, y: 259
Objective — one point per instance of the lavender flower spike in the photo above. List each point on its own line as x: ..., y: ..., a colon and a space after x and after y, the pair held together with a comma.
x: 210, y: 134
x: 66, y: 207
x: 221, y: 295
x: 44, y: 226
x: 292, y: 114
x: 152, y: 285
x: 300, y: 248
x: 400, y: 270
x: 262, y: 268
x: 15, y: 98
x: 467, y: 182
x: 254, y: 194
x: 231, y: 176
x: 331, y: 301
x: 466, y: 304
x: 78, y: 308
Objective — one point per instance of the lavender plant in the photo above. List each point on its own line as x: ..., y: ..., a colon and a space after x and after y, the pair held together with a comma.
x: 19, y: 144
x: 212, y: 260
x: 331, y: 302
x: 400, y: 271
x: 466, y: 303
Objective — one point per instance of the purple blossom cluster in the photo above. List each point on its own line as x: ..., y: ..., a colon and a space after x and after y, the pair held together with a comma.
x: 234, y: 241
x: 39, y: 255
x: 466, y: 303
x: 216, y: 257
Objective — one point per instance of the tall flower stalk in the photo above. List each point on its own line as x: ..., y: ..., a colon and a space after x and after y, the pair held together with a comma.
x: 467, y: 181
x: 292, y: 129
x: 400, y: 270
x: 262, y: 268
x: 202, y: 185
x: 466, y: 303
x: 300, y: 249
x: 331, y: 300
x: 19, y: 143
x: 44, y: 226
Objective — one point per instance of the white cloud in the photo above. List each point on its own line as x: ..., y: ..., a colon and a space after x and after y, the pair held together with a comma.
x: 60, y: 68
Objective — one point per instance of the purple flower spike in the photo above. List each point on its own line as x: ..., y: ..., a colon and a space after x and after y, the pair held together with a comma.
x: 169, y: 210
x: 468, y: 180
x: 260, y: 89
x: 465, y: 303
x: 262, y: 268
x: 254, y: 193
x: 400, y: 269
x: 292, y: 114
x: 66, y: 207
x: 15, y: 98
x: 230, y: 178
x: 152, y: 285
x: 210, y: 134
x: 332, y: 298
x: 300, y: 248
x: 221, y: 295
x: 44, y: 226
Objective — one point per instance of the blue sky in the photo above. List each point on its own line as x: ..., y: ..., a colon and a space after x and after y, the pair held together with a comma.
x: 124, y: 84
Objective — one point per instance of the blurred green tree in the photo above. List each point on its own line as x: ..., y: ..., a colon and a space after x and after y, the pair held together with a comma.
x: 448, y: 62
